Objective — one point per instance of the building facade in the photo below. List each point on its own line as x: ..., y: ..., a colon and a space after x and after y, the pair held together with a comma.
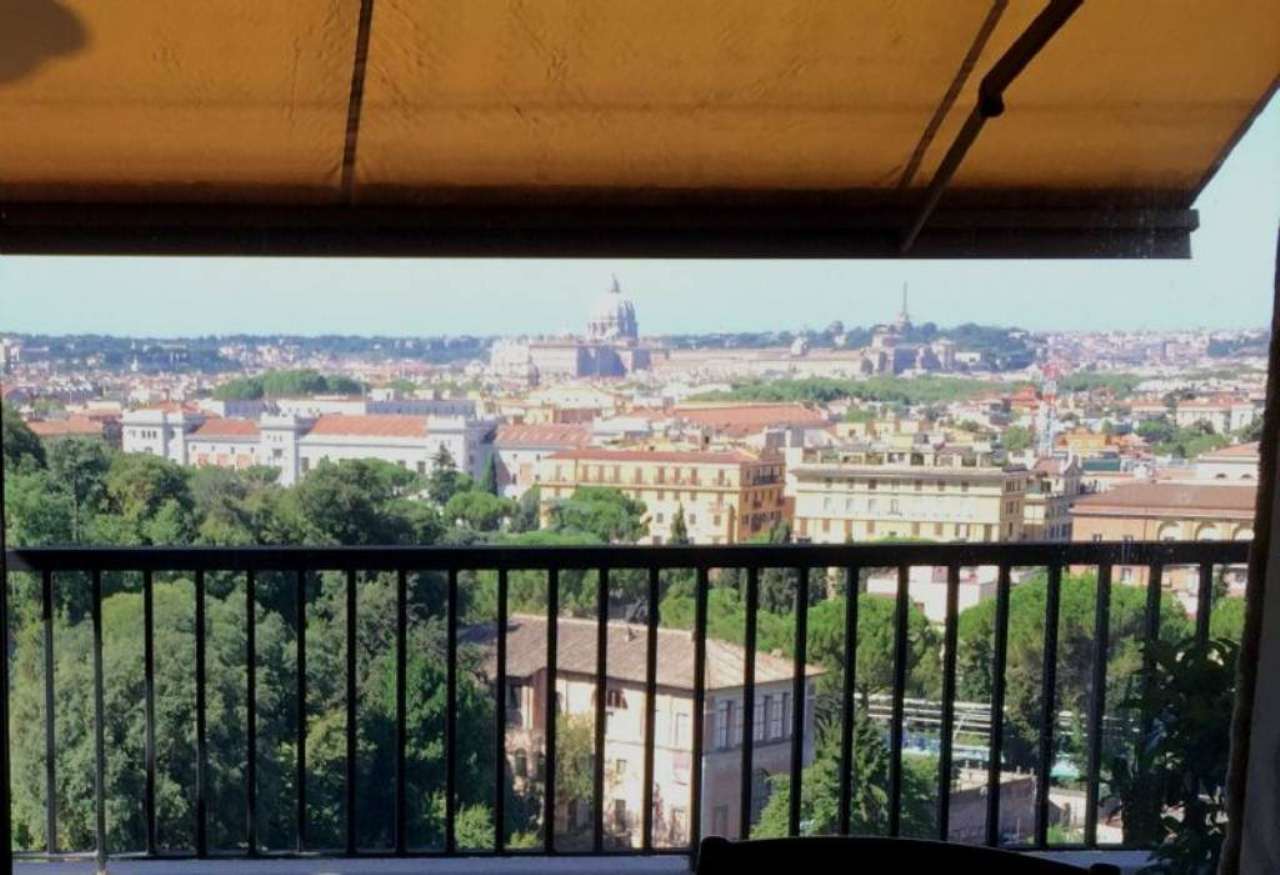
x: 871, y: 492
x: 726, y: 496
x: 295, y: 443
x: 625, y: 704
x: 519, y: 449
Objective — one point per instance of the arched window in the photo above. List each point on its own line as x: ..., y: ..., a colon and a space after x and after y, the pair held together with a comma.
x: 521, y: 764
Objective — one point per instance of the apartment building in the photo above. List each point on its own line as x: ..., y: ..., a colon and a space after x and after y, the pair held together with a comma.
x: 1052, y: 484
x: 296, y: 443
x: 870, y: 491
x: 1224, y: 414
x: 519, y: 449
x: 727, y: 496
x: 625, y: 704
x: 1165, y: 511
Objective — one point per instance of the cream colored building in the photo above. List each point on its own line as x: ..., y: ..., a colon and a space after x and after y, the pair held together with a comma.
x: 868, y: 492
x: 1052, y: 485
x: 626, y: 651
x: 727, y: 496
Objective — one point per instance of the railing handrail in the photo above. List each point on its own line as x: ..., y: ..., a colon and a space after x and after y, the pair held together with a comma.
x: 443, y: 558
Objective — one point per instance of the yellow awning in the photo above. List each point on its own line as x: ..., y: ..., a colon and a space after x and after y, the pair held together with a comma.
x: 559, y: 103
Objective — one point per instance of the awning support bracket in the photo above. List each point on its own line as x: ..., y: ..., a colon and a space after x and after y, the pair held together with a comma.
x: 990, y: 103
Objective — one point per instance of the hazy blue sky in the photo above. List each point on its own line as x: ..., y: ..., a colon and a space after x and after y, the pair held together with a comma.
x: 1226, y: 284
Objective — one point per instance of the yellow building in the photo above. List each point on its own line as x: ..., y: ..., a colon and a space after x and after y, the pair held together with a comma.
x: 727, y: 496
x: 872, y: 492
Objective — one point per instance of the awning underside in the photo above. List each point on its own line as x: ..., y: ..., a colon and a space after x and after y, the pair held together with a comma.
x: 488, y: 125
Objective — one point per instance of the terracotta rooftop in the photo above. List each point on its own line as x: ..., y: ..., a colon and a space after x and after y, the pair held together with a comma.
x: 746, y: 418
x: 687, y: 457
x: 1237, y: 451
x: 1171, y: 497
x: 219, y: 427
x: 373, y: 425
x: 543, y: 435
x: 71, y: 426
x: 625, y: 655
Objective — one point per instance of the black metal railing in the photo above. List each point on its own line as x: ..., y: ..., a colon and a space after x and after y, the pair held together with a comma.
x: 850, y: 560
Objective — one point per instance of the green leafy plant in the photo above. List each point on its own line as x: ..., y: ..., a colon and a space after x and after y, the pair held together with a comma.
x: 1172, y: 787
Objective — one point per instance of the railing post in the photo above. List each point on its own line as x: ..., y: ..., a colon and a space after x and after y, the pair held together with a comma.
x: 500, y: 730
x: 699, y: 707
x: 748, y: 701
x: 1097, y: 704
x: 1048, y: 704
x: 650, y: 703
x: 850, y: 690
x: 402, y: 624
x: 300, y: 728
x: 798, y: 683
x: 949, y: 645
x: 602, y: 683
x: 149, y: 680
x: 50, y: 750
x: 202, y: 751
x: 352, y: 822
x: 251, y: 713
x: 99, y: 729
x: 551, y: 712
x: 996, y: 739
x: 901, y: 616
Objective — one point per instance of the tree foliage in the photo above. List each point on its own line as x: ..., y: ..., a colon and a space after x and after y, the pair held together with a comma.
x: 286, y: 384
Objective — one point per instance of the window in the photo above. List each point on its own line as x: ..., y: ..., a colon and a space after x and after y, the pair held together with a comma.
x: 720, y: 821
x: 871, y: 485
x: 757, y: 720
x: 937, y: 528
x: 662, y: 494
x: 964, y: 485
x: 942, y: 486
x: 660, y: 518
x: 620, y: 767
x: 786, y: 715
x: 541, y: 773
x: 724, y: 720
x: 693, y: 519
x: 521, y: 765
x: 422, y: 467
x: 677, y: 833
x: 919, y: 485
x: 514, y: 696
x: 306, y: 464
x: 681, y: 730
x: 773, y: 716
x: 613, y: 698
x: 620, y: 814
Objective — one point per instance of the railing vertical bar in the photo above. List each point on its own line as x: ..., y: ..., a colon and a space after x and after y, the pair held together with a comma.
x: 451, y: 721
x: 798, y: 682
x: 550, y: 712
x: 650, y: 703
x: 1151, y: 634
x: 500, y: 727
x: 251, y: 712
x: 699, y: 706
x: 899, y: 692
x: 602, y: 692
x: 996, y: 741
x: 300, y: 729
x: 847, y: 715
x: 99, y: 728
x: 1097, y: 704
x: 50, y: 746
x: 402, y: 710
x: 149, y: 706
x: 349, y: 784
x: 949, y: 645
x: 1048, y: 704
x: 749, y: 701
x: 1204, y: 602
x: 202, y: 747
x: 6, y: 814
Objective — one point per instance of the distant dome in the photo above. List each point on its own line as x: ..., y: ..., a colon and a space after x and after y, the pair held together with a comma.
x: 613, y: 317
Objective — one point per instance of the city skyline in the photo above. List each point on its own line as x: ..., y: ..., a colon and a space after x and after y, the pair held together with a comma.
x: 1234, y: 250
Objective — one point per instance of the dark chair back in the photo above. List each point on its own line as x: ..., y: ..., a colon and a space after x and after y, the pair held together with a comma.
x: 855, y: 854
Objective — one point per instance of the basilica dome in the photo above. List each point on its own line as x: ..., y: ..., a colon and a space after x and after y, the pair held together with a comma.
x: 613, y: 318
